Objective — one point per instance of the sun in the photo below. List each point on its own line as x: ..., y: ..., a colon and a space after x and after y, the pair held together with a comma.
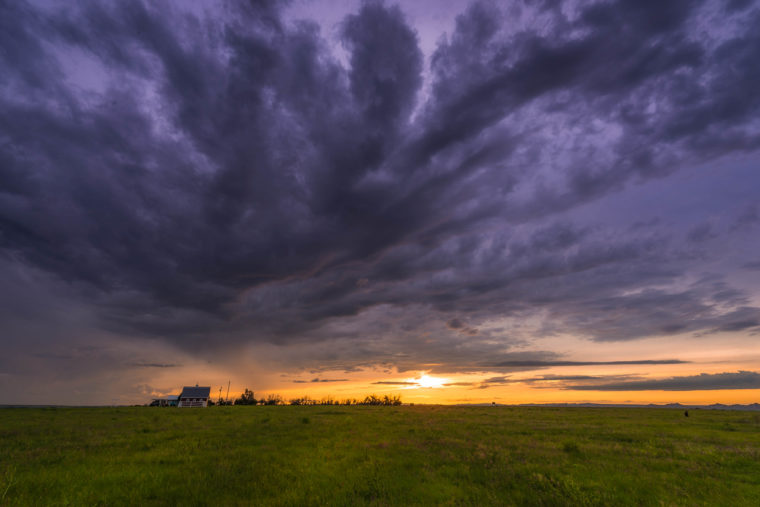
x: 426, y: 380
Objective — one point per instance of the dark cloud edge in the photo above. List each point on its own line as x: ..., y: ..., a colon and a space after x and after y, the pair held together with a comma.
x: 546, y: 364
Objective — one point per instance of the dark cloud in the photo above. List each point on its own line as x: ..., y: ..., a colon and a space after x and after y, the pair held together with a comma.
x: 735, y: 5
x: 221, y: 180
x: 386, y: 68
x: 748, y: 217
x: 496, y: 381
x: 394, y: 383
x: 318, y: 380
x: 455, y: 324
x: 460, y: 327
x: 650, y: 312
x: 555, y: 381
x: 703, y: 381
x: 565, y: 378
x: 701, y: 232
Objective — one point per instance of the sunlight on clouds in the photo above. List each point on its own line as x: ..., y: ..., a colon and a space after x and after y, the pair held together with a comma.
x: 426, y: 380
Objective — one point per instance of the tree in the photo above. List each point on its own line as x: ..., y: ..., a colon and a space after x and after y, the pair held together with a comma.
x: 246, y: 398
x: 372, y: 399
x: 273, y: 399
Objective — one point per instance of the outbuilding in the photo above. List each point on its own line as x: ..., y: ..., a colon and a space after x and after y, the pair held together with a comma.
x: 170, y: 401
x: 194, y: 396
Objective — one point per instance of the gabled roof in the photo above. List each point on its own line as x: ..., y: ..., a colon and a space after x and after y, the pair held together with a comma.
x: 195, y: 392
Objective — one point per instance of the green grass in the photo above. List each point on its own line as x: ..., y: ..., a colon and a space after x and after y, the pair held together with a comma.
x: 318, y: 455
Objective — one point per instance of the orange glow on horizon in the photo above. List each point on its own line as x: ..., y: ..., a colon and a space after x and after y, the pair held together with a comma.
x: 553, y: 384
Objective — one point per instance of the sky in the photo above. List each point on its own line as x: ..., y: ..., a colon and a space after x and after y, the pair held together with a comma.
x: 529, y: 201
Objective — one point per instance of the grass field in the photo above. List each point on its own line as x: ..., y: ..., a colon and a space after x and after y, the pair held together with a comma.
x: 378, y: 455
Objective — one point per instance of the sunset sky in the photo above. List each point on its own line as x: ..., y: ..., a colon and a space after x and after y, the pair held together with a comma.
x: 528, y: 201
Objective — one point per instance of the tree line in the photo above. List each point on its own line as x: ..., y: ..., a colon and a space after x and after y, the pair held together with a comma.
x: 248, y: 398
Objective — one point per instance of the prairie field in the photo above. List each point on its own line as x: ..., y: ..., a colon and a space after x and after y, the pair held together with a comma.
x: 337, y: 455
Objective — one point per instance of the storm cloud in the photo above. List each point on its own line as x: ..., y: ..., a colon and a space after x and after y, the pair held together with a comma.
x: 211, y: 181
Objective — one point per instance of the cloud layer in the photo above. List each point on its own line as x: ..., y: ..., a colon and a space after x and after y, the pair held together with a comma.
x: 228, y: 179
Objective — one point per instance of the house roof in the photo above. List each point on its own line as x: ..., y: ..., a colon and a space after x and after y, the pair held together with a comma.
x: 195, y: 392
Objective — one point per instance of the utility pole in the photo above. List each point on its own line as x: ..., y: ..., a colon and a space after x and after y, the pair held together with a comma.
x: 227, y: 400
x: 219, y: 400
